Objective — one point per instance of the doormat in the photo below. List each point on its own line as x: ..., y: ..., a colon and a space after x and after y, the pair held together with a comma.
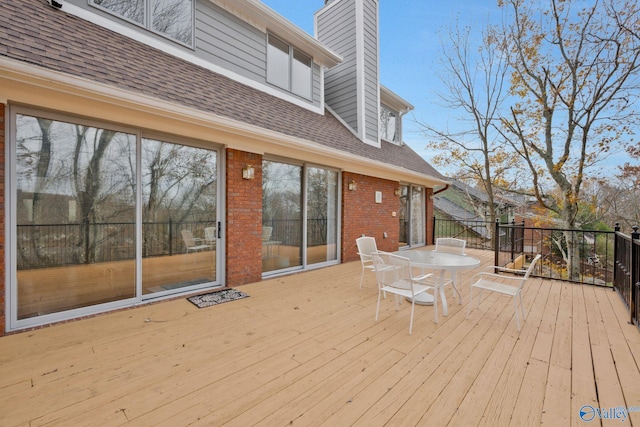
x: 217, y: 297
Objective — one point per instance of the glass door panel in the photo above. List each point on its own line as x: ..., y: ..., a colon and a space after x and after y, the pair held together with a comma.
x: 179, y: 224
x: 281, y: 216
x: 404, y: 216
x: 322, y: 215
x: 417, y: 216
x: 75, y: 216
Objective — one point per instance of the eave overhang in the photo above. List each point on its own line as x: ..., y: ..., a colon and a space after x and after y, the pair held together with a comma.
x: 390, y: 99
x: 262, y: 17
x: 25, y: 84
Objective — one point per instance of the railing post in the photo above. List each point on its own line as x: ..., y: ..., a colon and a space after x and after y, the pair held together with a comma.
x: 433, y: 234
x: 616, y: 254
x: 170, y: 237
x: 496, y: 243
x: 634, y: 273
x: 513, y: 238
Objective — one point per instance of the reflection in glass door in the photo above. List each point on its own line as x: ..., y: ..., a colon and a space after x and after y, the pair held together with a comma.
x: 281, y: 216
x: 74, y: 199
x: 322, y: 215
x: 417, y: 216
x: 404, y: 216
x: 81, y: 224
x: 179, y: 225
x: 412, y: 216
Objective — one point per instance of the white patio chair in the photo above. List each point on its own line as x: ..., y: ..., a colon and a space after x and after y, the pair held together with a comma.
x: 453, y: 246
x: 210, y: 235
x: 366, y: 247
x: 395, y: 275
x: 266, y: 233
x: 506, y: 285
x: 192, y: 243
x: 268, y: 244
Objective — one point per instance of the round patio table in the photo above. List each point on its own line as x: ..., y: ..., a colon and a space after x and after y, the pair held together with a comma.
x: 442, y: 262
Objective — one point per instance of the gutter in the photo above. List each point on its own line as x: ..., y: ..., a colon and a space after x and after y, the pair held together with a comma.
x: 446, y: 186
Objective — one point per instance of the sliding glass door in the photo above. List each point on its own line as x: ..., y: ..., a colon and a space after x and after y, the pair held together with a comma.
x: 322, y: 215
x: 102, y: 217
x: 299, y: 216
x: 281, y: 216
x: 412, y: 216
x: 75, y: 211
x: 179, y: 206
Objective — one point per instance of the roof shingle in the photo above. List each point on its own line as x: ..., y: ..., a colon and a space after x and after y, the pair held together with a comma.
x: 36, y: 33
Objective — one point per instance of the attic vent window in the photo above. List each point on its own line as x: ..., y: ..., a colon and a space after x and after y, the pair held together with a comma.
x: 288, y: 68
x: 169, y: 18
x: 389, y: 125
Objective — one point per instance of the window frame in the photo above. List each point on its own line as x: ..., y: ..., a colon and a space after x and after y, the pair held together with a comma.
x: 294, y: 55
x: 11, y: 305
x: 385, y: 112
x: 147, y: 21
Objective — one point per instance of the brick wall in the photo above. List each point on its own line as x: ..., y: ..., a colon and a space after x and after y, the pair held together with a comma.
x: 362, y: 215
x: 244, y: 219
x: 2, y: 284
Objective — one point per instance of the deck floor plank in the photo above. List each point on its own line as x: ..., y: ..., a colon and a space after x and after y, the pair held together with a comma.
x: 557, y: 397
x: 304, y: 349
x: 504, y: 398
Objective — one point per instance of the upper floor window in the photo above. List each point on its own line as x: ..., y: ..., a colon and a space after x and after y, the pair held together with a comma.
x: 288, y: 68
x: 389, y: 125
x: 171, y: 18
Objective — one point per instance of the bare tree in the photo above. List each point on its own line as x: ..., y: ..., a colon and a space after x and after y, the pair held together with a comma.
x: 474, y: 80
x: 575, y: 80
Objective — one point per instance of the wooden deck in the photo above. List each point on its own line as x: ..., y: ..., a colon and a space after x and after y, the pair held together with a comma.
x: 305, y: 350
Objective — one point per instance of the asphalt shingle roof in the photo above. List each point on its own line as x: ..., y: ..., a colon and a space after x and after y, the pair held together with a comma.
x: 34, y: 32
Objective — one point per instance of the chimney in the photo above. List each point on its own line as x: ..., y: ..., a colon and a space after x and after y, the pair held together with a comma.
x: 350, y: 28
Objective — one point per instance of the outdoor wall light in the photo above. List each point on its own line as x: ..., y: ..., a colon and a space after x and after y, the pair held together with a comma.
x: 248, y: 172
x: 352, y: 186
x: 397, y: 191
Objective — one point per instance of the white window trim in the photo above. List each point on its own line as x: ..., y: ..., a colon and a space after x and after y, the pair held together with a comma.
x: 148, y: 25
x: 289, y: 85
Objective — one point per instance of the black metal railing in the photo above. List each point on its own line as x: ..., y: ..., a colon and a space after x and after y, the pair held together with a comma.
x: 55, y: 245
x: 591, y: 262
x: 476, y: 233
x: 289, y: 231
x: 581, y: 256
x: 627, y: 271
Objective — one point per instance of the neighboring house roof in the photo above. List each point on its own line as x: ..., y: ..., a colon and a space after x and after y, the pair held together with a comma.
x: 481, y: 195
x: 459, y: 214
x: 35, y: 33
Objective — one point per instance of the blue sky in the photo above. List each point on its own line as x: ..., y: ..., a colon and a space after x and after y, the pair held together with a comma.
x: 409, y: 48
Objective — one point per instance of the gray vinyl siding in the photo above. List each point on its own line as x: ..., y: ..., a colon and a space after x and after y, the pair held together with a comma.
x: 228, y: 42
x: 372, y: 117
x: 337, y: 30
x: 225, y: 41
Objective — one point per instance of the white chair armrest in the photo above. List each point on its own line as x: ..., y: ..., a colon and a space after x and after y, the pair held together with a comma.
x: 424, y: 277
x: 483, y: 275
x: 505, y: 269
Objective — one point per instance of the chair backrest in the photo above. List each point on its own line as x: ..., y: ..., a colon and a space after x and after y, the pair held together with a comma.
x: 210, y: 234
x: 366, y: 247
x: 451, y: 245
x: 529, y: 270
x: 393, y: 271
x: 266, y: 233
x: 188, y: 238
